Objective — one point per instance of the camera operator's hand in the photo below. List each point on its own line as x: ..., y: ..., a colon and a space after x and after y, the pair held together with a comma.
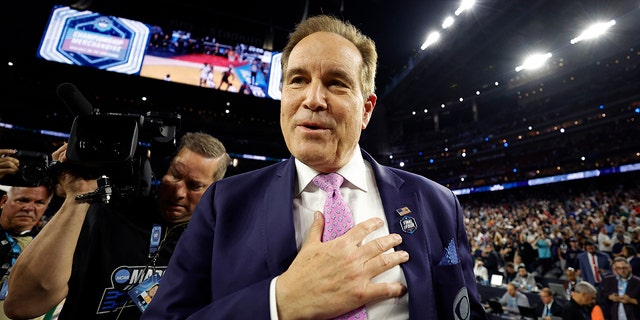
x: 36, y: 289
x: 68, y: 183
x: 8, y: 164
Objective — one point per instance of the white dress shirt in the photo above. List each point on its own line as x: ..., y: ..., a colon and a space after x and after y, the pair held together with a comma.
x: 593, y: 262
x: 360, y: 191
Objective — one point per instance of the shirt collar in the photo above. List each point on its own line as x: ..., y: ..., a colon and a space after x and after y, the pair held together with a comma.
x: 26, y: 233
x: 354, y: 172
x: 623, y: 280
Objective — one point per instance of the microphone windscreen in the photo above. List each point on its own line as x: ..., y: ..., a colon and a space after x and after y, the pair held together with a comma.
x: 73, y: 98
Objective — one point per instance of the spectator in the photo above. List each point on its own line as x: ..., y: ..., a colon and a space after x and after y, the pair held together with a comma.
x: 609, y: 225
x: 570, y: 282
x: 629, y: 253
x: 508, y: 250
x: 525, y: 281
x: 517, y: 262
x: 616, y: 249
x: 635, y: 239
x: 619, y: 230
x: 549, y: 307
x: 622, y: 291
x: 481, y: 272
x: 559, y: 245
x: 593, y: 265
x: 544, y: 252
x: 571, y: 254
x: 605, y: 244
x: 510, y: 273
x: 492, y: 260
x: 513, y: 298
x: 583, y: 297
x: 527, y: 253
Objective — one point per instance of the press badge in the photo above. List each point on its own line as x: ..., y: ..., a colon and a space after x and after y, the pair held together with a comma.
x: 143, y: 293
x: 156, y: 233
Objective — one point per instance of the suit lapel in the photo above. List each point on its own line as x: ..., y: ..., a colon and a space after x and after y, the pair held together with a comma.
x: 395, y: 196
x: 277, y: 207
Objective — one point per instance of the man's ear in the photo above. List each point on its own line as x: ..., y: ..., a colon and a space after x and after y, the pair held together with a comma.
x: 369, y: 105
x: 3, y: 200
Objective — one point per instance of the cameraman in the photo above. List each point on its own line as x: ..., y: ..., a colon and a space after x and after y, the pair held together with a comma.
x: 95, y: 254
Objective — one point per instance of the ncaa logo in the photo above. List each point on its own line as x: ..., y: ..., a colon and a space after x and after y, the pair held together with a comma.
x: 122, y: 276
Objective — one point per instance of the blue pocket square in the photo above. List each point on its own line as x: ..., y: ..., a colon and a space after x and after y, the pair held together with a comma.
x: 450, y: 256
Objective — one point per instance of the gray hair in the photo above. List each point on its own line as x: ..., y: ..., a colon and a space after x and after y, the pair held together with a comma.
x: 585, y: 287
x: 208, y: 147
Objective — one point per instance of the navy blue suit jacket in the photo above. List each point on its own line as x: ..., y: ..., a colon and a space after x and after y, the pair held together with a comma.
x: 586, y: 272
x: 242, y: 235
x: 610, y: 285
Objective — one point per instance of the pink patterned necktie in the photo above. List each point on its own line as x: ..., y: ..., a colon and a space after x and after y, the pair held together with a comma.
x: 337, y: 221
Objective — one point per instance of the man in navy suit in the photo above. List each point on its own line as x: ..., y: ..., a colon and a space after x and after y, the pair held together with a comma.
x: 254, y: 249
x: 549, y: 307
x: 592, y: 260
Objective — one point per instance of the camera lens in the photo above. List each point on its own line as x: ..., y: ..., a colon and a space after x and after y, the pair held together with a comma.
x: 33, y: 173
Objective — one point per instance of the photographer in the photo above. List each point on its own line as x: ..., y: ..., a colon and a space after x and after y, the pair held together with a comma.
x: 8, y: 164
x: 95, y: 254
x: 22, y: 209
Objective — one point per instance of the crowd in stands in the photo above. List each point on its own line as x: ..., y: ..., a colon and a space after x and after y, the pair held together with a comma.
x: 536, y: 236
x: 538, y: 230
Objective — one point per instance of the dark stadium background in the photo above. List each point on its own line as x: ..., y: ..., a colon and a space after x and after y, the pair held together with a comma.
x: 508, y: 132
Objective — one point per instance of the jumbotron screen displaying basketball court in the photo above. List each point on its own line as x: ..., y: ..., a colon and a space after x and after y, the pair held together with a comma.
x: 116, y: 44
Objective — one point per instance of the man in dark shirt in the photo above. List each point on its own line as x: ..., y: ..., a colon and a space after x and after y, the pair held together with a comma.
x: 583, y: 297
x: 510, y: 273
x: 571, y: 254
x: 527, y: 253
x: 492, y: 260
x: 95, y: 254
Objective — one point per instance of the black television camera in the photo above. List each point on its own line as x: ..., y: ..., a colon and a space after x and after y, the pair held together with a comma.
x: 32, y: 171
x: 114, y: 148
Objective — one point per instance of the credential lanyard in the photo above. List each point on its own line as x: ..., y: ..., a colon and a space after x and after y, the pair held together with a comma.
x: 15, y: 252
x: 156, y: 236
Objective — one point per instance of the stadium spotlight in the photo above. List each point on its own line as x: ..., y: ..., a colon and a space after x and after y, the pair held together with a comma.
x: 448, y: 22
x: 534, y: 61
x: 593, y: 31
x: 466, y: 4
x: 431, y: 39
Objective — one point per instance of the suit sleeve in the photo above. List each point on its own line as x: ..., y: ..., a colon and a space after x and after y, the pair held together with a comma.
x: 186, y: 289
